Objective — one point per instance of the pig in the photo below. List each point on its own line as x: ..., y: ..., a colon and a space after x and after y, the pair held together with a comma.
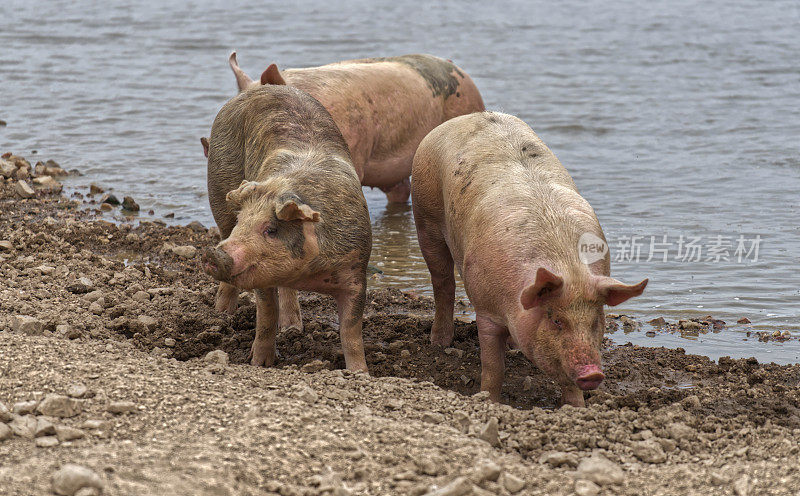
x: 490, y: 197
x: 291, y: 213
x: 383, y: 107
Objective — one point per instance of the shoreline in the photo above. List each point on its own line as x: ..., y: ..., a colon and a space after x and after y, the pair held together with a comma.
x: 159, y: 415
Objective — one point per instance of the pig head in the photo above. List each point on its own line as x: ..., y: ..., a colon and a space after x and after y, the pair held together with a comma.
x: 273, y: 241
x: 560, y: 324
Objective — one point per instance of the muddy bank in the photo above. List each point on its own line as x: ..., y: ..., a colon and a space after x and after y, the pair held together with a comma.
x: 123, y: 310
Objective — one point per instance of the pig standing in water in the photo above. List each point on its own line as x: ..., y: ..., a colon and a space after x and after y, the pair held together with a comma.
x: 291, y: 212
x: 383, y: 107
x: 489, y: 195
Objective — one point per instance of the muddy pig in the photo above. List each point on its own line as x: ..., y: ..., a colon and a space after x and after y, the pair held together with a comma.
x: 489, y: 196
x: 383, y: 107
x: 291, y: 213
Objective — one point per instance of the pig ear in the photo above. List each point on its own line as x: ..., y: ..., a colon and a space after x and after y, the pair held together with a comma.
x: 617, y: 292
x: 242, y: 79
x: 204, y: 141
x: 236, y: 196
x: 294, y: 209
x: 272, y: 76
x: 545, y: 285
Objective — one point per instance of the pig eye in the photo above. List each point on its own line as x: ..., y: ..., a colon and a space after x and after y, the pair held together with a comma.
x: 557, y: 323
x: 270, y: 230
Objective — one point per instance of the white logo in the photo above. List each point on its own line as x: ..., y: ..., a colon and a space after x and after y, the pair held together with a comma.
x: 591, y: 248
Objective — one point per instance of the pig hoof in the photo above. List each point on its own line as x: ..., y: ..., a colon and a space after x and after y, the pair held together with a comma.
x: 443, y: 341
x: 290, y: 327
x: 260, y: 355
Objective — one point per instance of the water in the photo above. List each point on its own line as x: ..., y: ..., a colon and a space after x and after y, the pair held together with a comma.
x: 674, y: 118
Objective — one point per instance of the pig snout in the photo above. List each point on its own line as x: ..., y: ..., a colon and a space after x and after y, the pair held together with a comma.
x: 589, y: 377
x: 217, y: 263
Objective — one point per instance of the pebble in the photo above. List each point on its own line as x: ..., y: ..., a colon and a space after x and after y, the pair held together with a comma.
x: 486, y: 470
x: 132, y: 238
x: 96, y: 308
x: 405, y: 353
x: 56, y: 405
x: 77, y: 390
x: 23, y: 189
x: 527, y: 383
x: 5, y: 415
x: 741, y: 486
x: 148, y: 322
x: 490, y: 432
x: 93, y: 295
x: 460, y: 486
x: 558, y: 458
x: 142, y: 296
x: 307, y: 394
x: 426, y: 465
x: 130, y: 204
x: 94, y: 424
x: 169, y: 342
x: 44, y: 428
x: 94, y: 189
x: 463, y: 421
x: 24, y: 407
x: 5, y: 432
x: 217, y: 356
x: 23, y: 426
x: 110, y: 199
x: 121, y: 407
x: 586, y: 488
x: 743, y: 320
x: 70, y: 478
x: 67, y: 433
x: 689, y: 325
x: 186, y: 251
x: 46, y: 441
x: 81, y: 286
x: 679, y: 430
x: 7, y: 168
x: 46, y: 270
x: 26, y: 324
x: 393, y: 404
x: 649, y: 451
x: 512, y: 483
x: 432, y: 417
x: 6, y: 245
x: 600, y: 470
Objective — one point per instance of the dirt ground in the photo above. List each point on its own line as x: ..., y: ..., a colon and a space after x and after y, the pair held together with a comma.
x: 104, y: 334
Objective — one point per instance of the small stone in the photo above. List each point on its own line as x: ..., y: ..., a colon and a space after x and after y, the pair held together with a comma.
x: 24, y: 407
x: 313, y: 366
x: 490, y: 432
x: 147, y: 322
x: 77, y: 390
x: 130, y: 204
x: 426, y: 465
x: 5, y: 415
x: 119, y: 407
x: 6, y: 245
x: 600, y: 470
x: 96, y: 308
x: 186, y: 251
x: 44, y: 428
x: 196, y: 226
x: 743, y: 320
x: 460, y: 486
x: 558, y: 458
x: 393, y: 404
x: 23, y: 426
x: 463, y: 421
x: 7, y: 168
x: 132, y: 238
x: 94, y: 424
x: 169, y: 342
x: 690, y: 402
x: 46, y: 270
x: 46, y: 441
x: 679, y: 430
x: 23, y: 189
x: 94, y: 189
x: 217, y: 356
x: 486, y: 470
x: 512, y: 483
x: 432, y: 417
x: 741, y: 486
x: 106, y: 207
x: 81, y: 286
x: 56, y: 405
x: 93, y: 295
x: 26, y: 324
x: 5, y: 432
x: 307, y: 394
x: 142, y: 296
x: 405, y: 353
x: 649, y: 451
x: 67, y: 433
x: 110, y: 199
x: 689, y: 325
x: 718, y: 478
x: 70, y: 478
x: 659, y: 322
x: 73, y: 333
x: 586, y: 488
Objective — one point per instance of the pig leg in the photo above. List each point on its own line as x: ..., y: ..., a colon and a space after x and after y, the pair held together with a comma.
x: 350, y: 307
x: 289, y: 314
x: 572, y: 395
x: 227, y: 298
x: 492, y: 339
x: 263, y: 349
x: 398, y: 193
x: 440, y: 264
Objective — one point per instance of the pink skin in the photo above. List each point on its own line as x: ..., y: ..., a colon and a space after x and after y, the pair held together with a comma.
x: 383, y: 109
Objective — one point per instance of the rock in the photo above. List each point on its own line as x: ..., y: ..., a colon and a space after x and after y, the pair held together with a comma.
x: 73, y: 333
x: 432, y: 417
x: 44, y: 428
x: 147, y: 322
x: 600, y: 470
x: 512, y: 483
x: 110, y: 199
x: 460, y: 486
x: 81, y: 286
x: 690, y: 402
x: 306, y: 394
x: 741, y: 486
x: 94, y: 189
x: 5, y: 432
x: 142, y: 296
x: 169, y: 342
x: 314, y: 366
x: 130, y: 204
x: 27, y: 325
x: 23, y: 189
x: 490, y: 432
x: 393, y: 404
x: 6, y: 245
x: 47, y: 184
x: 7, y: 168
x: 94, y: 424
x: 56, y: 405
x: 690, y: 325
x: 46, y: 441
x: 70, y: 478
x: 96, y: 308
x: 119, y: 407
x: 463, y: 421
x: 196, y: 226
x: 586, y: 488
x: 66, y: 433
x: 486, y: 470
x: 5, y: 415
x: 649, y: 451
x: 743, y: 320
x: 558, y: 458
x: 659, y: 322
x: 132, y: 238
x: 46, y: 270
x: 186, y: 251
x: 679, y: 430
x: 718, y: 478
x: 23, y: 426
x: 77, y: 390
x: 106, y: 207
x: 217, y: 356
x: 24, y: 407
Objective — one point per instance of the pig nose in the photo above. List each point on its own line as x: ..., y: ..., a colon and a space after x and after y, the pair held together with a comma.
x: 590, y: 377
x: 217, y: 263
